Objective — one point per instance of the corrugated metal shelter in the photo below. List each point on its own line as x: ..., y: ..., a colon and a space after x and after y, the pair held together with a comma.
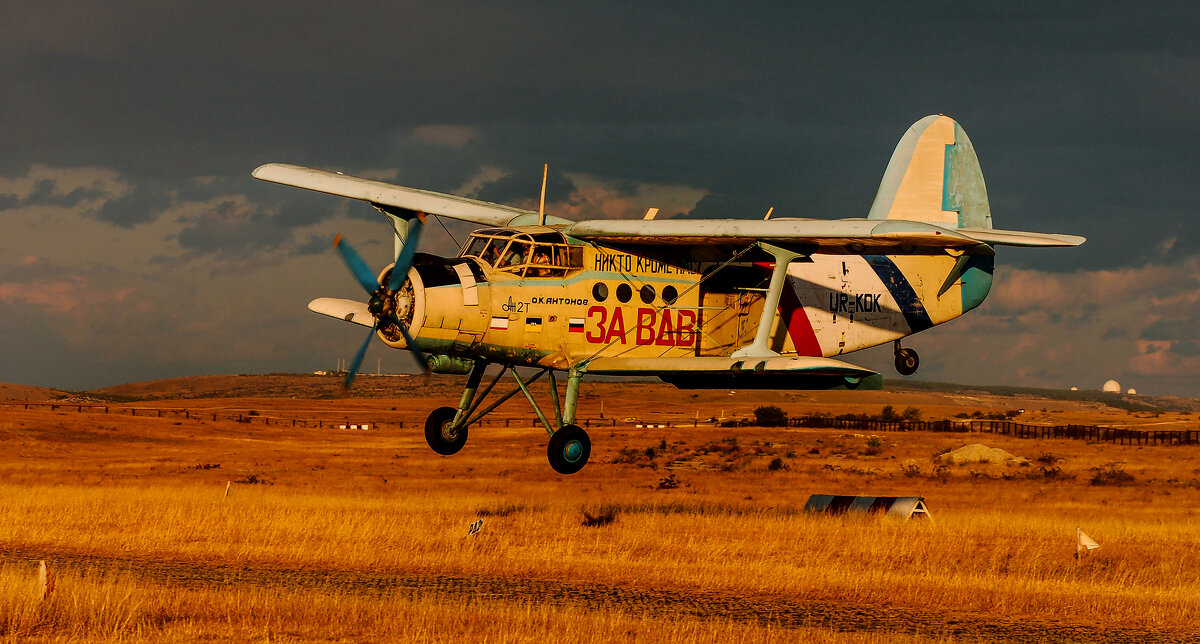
x: 903, y: 507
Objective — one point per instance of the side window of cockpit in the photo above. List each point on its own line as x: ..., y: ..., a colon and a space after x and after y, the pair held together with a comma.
x: 541, y: 261
x: 516, y: 255
x: 475, y: 246
x: 490, y: 253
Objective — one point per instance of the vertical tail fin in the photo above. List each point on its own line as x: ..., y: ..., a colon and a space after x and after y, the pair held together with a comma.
x: 934, y: 177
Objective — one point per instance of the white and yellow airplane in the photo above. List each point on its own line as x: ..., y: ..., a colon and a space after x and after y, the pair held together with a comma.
x: 698, y: 303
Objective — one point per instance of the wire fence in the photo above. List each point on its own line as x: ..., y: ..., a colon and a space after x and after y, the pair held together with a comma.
x: 1094, y: 433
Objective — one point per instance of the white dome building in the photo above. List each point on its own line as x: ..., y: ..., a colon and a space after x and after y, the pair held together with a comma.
x: 1111, y: 387
x: 1132, y: 391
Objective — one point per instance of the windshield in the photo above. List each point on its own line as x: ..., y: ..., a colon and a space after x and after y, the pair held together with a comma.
x: 541, y: 254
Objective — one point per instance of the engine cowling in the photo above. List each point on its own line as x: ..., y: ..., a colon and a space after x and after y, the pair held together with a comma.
x: 438, y: 302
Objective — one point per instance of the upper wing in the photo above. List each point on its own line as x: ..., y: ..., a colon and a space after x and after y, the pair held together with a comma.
x: 839, y: 235
x: 386, y: 194
x: 816, y: 235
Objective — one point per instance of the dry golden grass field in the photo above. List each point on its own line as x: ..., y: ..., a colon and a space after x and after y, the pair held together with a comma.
x: 681, y: 534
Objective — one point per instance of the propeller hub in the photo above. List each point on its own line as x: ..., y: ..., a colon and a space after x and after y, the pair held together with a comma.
x: 375, y: 304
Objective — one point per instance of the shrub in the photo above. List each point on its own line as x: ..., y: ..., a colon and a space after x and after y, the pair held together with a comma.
x: 499, y: 511
x: 1112, y: 474
x: 888, y: 414
x: 638, y: 457
x: 1052, y: 473
x: 911, y: 470
x: 770, y: 416
x: 604, y: 516
x: 776, y: 465
x: 911, y: 413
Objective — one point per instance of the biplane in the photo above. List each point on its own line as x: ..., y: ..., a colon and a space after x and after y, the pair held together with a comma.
x: 699, y: 303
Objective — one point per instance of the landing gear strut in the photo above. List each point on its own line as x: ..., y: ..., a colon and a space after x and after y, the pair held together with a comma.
x: 907, y: 360
x: 569, y: 447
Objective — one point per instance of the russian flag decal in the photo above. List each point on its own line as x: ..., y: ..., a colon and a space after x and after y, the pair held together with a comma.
x: 499, y: 322
x: 575, y: 325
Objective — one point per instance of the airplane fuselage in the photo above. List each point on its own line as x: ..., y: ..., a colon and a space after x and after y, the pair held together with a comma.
x: 616, y: 303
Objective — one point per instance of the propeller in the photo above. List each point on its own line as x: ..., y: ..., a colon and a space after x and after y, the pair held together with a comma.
x: 382, y: 304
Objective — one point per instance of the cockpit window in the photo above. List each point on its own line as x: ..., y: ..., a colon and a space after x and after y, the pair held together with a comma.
x: 475, y: 246
x: 540, y: 254
x: 517, y: 254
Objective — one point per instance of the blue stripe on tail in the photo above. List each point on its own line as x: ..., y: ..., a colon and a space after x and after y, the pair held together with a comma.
x: 911, y: 306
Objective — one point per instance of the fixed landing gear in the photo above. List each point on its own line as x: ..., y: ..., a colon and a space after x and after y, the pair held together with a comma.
x: 569, y: 449
x: 442, y: 434
x: 569, y: 446
x: 907, y: 360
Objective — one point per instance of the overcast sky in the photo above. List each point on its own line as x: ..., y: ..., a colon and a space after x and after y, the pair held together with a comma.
x: 134, y: 244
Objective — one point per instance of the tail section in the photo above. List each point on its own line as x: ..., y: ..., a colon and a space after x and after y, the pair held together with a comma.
x: 934, y: 177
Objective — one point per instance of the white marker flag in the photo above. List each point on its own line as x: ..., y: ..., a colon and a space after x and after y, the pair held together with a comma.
x: 1084, y: 543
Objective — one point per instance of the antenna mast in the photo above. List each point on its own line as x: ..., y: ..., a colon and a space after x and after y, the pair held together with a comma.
x: 542, y: 202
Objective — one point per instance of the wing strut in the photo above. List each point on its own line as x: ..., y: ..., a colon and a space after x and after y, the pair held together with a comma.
x: 759, y: 348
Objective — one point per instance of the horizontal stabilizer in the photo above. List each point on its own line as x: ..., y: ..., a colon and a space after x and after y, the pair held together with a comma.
x: 386, y: 194
x: 778, y: 372
x: 347, y: 310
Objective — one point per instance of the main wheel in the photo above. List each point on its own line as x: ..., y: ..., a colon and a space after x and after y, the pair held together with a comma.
x: 569, y: 449
x: 907, y: 362
x: 443, y: 437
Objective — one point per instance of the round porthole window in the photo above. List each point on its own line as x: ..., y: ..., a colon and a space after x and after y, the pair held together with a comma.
x: 670, y: 294
x: 600, y: 291
x: 648, y: 294
x: 624, y: 293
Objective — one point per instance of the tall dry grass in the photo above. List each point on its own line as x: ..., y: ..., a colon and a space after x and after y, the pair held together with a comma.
x: 107, y: 606
x: 992, y: 560
x: 147, y: 541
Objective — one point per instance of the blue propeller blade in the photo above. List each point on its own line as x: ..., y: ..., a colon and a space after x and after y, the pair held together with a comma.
x: 412, y: 345
x: 358, y: 357
x: 404, y: 259
x: 362, y: 272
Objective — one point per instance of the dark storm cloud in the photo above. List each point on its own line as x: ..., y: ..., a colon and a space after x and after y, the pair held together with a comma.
x: 141, y: 205
x: 1079, y: 112
x: 230, y: 227
x: 316, y: 245
x: 45, y: 193
x: 523, y: 185
x: 1083, y: 114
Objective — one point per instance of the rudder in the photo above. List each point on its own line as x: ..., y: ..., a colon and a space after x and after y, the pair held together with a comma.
x: 934, y: 176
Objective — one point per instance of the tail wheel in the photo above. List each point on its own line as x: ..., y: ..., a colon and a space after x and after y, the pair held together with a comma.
x: 907, y: 362
x: 443, y: 436
x: 569, y: 449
